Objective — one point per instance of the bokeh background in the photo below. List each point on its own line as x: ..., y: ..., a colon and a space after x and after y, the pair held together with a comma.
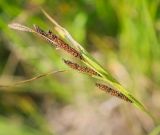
x: 123, y: 35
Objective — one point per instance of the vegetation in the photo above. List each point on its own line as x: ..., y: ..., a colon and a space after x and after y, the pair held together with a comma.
x: 122, y: 35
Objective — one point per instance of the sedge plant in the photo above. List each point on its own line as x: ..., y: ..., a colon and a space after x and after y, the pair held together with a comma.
x: 105, y: 81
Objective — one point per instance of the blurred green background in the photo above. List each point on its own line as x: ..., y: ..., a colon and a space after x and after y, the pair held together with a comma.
x: 123, y: 35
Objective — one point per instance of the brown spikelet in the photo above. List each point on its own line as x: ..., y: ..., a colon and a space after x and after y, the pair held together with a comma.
x: 81, y: 68
x: 45, y: 35
x: 113, y: 92
x: 53, y: 39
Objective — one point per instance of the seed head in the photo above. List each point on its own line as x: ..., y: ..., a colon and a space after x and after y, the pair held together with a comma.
x: 83, y: 69
x: 113, y: 92
x: 53, y: 39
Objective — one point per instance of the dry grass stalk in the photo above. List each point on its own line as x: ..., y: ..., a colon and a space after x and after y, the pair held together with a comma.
x: 32, y: 79
x: 113, y: 92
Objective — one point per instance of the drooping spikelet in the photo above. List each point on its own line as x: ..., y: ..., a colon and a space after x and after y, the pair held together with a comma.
x: 83, y: 69
x: 113, y: 92
x: 53, y: 39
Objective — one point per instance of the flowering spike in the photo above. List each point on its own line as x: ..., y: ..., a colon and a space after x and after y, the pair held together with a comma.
x: 113, y: 92
x: 83, y: 69
x: 53, y: 39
